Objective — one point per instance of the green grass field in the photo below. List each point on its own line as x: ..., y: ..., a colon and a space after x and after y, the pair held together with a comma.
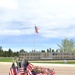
x: 10, y: 59
x: 5, y: 59
x: 54, y: 61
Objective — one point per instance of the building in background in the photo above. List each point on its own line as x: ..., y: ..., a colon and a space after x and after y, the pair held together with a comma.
x: 46, y: 55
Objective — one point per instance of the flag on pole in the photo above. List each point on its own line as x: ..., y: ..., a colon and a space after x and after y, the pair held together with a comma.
x: 12, y: 70
x: 36, y: 29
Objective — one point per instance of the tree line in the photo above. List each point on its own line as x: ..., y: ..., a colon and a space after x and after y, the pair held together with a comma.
x: 8, y: 53
x: 66, y: 45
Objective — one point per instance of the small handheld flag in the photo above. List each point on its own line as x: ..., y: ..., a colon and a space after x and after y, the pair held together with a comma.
x: 12, y: 70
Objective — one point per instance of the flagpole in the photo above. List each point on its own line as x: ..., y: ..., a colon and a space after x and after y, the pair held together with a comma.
x: 36, y: 31
x: 34, y: 36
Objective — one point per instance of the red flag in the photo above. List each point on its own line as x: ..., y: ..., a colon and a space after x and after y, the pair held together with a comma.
x: 36, y: 29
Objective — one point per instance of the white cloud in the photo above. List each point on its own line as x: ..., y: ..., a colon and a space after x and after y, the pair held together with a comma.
x: 16, y: 32
x: 51, y: 16
x: 12, y: 4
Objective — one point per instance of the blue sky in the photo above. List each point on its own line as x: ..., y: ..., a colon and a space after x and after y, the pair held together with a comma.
x: 54, y: 18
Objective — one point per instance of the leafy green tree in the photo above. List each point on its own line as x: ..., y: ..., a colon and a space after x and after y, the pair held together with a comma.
x: 52, y: 50
x: 43, y: 51
x: 57, y: 50
x: 22, y: 50
x: 67, y: 45
x: 5, y: 54
x: 16, y: 54
x: 10, y: 53
x: 49, y: 50
x: 1, y: 51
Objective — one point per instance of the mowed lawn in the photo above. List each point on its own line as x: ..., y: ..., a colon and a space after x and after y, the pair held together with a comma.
x: 5, y: 59
x: 55, y: 61
x: 10, y: 59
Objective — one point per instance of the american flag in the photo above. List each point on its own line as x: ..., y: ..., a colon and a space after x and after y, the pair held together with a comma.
x: 21, y: 70
x: 30, y: 67
x: 12, y: 70
x: 29, y: 72
x: 18, y: 72
x: 53, y: 72
x: 36, y: 29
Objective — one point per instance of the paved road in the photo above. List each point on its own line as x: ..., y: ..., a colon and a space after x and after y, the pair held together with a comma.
x: 59, y: 68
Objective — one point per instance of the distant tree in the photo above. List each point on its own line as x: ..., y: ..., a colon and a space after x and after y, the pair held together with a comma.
x: 43, y: 51
x: 67, y: 45
x: 49, y: 50
x: 5, y: 54
x: 1, y: 48
x: 57, y: 50
x: 22, y: 50
x: 1, y: 51
x: 33, y: 51
x: 16, y: 54
x: 52, y: 50
x: 10, y: 53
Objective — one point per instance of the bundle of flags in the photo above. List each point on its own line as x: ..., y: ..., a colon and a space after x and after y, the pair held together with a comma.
x: 26, y: 68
